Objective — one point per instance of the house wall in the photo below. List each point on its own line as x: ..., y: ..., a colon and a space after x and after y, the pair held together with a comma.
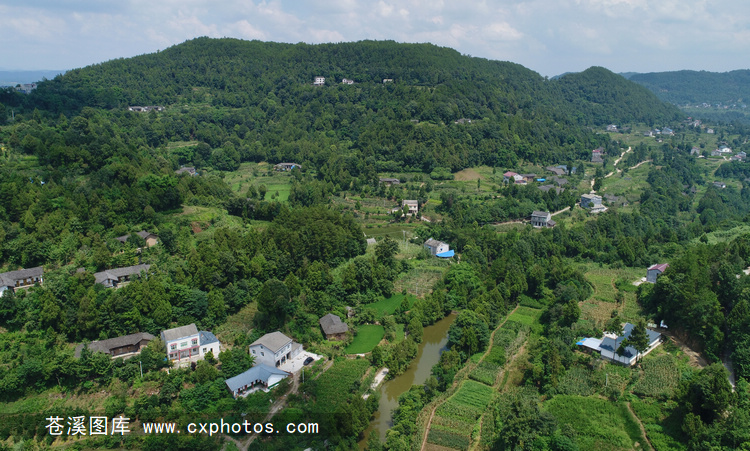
x: 264, y: 355
x: 183, y: 348
x: 211, y: 347
x: 652, y: 275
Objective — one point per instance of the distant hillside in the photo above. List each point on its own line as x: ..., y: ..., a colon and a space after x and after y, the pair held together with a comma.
x: 437, y: 108
x: 604, y: 97
x: 695, y: 88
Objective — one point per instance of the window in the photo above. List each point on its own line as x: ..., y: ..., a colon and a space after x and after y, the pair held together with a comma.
x: 253, y: 351
x: 173, y: 346
x: 262, y: 353
x: 183, y: 344
x: 204, y: 350
x: 195, y: 341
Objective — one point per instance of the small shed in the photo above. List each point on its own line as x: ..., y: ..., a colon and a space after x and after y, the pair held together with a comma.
x: 333, y: 327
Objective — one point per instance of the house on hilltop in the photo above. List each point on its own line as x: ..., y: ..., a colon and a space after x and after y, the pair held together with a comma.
x: 542, y: 219
x: 597, y: 155
x: 22, y: 278
x: 151, y: 239
x: 118, y: 347
x: 187, y: 343
x: 590, y: 200
x: 413, y: 206
x: 655, y: 271
x: 610, y: 343
x: 259, y: 376
x: 189, y: 170
x: 274, y: 349
x: 388, y: 181
x: 287, y: 166
x: 113, y: 278
x: 333, y: 327
x: 436, y: 247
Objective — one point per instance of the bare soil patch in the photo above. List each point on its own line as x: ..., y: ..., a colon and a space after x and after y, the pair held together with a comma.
x: 467, y: 175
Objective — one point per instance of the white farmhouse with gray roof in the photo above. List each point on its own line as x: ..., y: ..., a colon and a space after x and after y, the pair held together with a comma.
x: 274, y: 349
x: 112, y: 278
x: 185, y: 342
x: 610, y: 343
x: 22, y: 278
x: 436, y: 247
x: 260, y: 375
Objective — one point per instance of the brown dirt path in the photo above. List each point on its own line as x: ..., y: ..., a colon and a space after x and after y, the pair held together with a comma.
x: 640, y: 425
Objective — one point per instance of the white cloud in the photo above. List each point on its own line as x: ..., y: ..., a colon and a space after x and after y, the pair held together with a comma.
x: 550, y: 36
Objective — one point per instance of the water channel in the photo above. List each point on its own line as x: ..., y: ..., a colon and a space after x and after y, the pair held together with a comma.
x: 435, y: 339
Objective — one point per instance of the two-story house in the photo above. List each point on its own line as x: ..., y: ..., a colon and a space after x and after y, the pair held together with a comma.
x: 186, y: 342
x: 274, y: 349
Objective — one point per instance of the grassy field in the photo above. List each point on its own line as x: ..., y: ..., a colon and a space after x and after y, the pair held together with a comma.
x: 526, y: 315
x: 599, y: 423
x: 722, y: 236
x: 278, y: 184
x: 598, y: 308
x: 389, y: 305
x: 368, y: 336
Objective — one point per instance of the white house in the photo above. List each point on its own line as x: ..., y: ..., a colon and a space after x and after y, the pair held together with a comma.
x: 436, y: 247
x: 590, y: 200
x: 22, y: 278
x: 610, y: 343
x: 259, y: 375
x: 319, y: 81
x: 274, y: 349
x: 413, y: 206
x: 542, y: 219
x: 186, y: 342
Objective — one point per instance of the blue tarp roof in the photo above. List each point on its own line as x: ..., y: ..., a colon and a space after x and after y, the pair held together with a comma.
x: 541, y: 180
x: 446, y: 254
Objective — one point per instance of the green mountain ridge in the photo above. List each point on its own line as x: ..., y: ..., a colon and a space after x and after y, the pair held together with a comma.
x: 696, y: 87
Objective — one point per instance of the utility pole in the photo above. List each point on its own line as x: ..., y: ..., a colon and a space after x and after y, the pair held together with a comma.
x: 141, y: 365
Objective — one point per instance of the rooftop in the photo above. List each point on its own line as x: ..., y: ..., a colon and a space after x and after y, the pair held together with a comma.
x: 179, y: 332
x: 273, y: 341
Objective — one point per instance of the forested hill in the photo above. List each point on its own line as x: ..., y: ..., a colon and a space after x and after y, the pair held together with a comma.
x: 602, y: 97
x: 441, y: 109
x: 696, y: 87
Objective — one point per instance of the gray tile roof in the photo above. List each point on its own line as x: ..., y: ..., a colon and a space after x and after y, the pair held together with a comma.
x: 107, y: 345
x: 114, y: 274
x: 9, y: 278
x: 272, y: 341
x: 433, y: 243
x: 332, y: 324
x: 143, y: 234
x: 179, y: 332
x: 259, y: 372
x: 206, y: 338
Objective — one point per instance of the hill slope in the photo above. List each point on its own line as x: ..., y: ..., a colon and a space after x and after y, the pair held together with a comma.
x: 693, y: 87
x: 254, y: 101
x: 603, y: 97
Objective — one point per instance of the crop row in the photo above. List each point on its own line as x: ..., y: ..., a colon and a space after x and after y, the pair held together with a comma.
x: 448, y: 439
x: 660, y: 377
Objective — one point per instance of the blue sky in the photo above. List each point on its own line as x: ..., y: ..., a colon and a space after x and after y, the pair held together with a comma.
x: 548, y: 36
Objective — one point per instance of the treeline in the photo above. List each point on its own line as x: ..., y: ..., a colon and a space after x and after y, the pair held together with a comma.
x: 696, y: 87
x: 263, y: 107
